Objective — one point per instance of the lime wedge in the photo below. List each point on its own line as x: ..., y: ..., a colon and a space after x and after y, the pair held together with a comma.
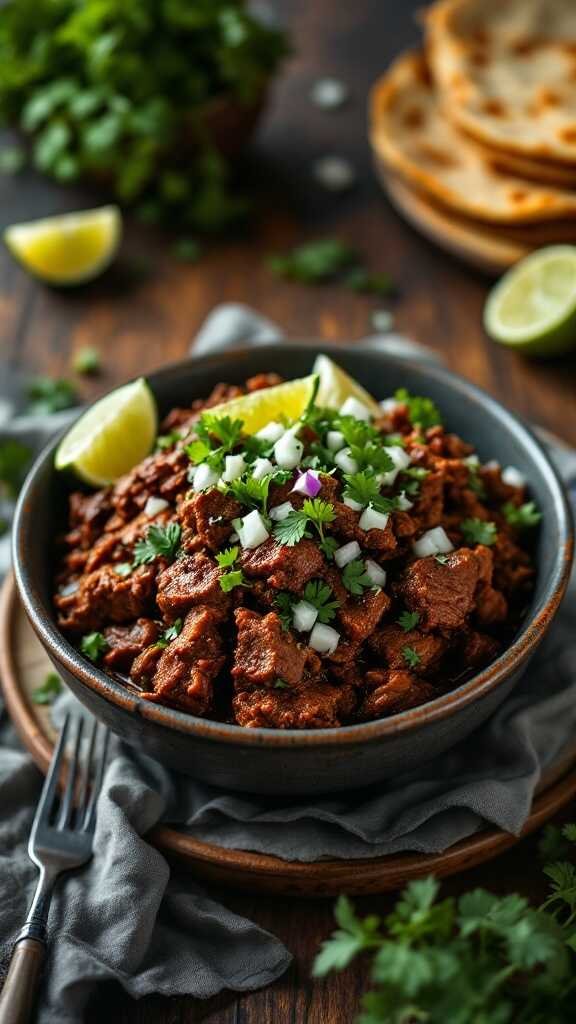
x: 112, y: 436
x: 70, y: 248
x: 258, y: 408
x: 336, y: 386
x: 533, y: 307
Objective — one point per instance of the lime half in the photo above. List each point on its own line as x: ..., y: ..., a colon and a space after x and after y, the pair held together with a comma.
x: 112, y: 436
x: 70, y: 248
x: 533, y: 307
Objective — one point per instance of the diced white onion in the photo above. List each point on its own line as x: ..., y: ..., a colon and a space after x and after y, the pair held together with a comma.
x: 347, y: 553
x: 234, y: 466
x: 324, y: 639
x: 389, y: 405
x: 371, y: 519
x: 493, y: 464
x: 345, y: 462
x: 376, y: 574
x: 354, y: 505
x: 513, y: 477
x: 253, y: 532
x: 471, y: 460
x: 262, y: 468
x: 204, y: 477
x: 155, y: 505
x: 69, y: 588
x: 304, y: 616
x: 404, y: 503
x: 353, y: 407
x: 335, y: 440
x: 433, y: 542
x: 288, y: 450
x: 280, y: 512
x: 271, y: 432
x: 401, y: 460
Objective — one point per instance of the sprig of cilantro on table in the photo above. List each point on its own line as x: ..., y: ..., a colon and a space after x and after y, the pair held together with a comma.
x: 49, y: 689
x: 522, y: 517
x: 47, y: 395
x: 160, y: 541
x: 478, y: 959
x: 478, y: 531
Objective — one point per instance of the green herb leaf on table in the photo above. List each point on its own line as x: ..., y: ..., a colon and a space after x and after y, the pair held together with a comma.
x: 47, y: 395
x: 314, y: 262
x: 93, y: 646
x: 49, y: 690
x: 411, y: 657
x: 87, y: 361
x: 477, y: 531
x: 521, y: 516
x: 320, y: 595
x: 422, y: 412
x: 15, y: 459
x: 408, y: 620
x: 355, y: 578
x: 160, y: 541
x: 361, y: 280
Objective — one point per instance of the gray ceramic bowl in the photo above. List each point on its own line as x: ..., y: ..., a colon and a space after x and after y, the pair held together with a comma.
x: 293, y: 762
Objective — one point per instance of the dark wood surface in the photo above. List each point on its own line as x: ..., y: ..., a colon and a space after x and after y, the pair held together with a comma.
x: 147, y: 311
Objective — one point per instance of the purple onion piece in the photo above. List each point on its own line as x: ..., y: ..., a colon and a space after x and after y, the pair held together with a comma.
x: 308, y: 484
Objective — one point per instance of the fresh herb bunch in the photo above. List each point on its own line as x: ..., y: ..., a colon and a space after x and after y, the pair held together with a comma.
x: 480, y: 959
x: 15, y: 458
x: 117, y: 90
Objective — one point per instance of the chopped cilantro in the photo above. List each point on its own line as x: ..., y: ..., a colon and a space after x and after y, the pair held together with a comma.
x: 254, y: 493
x: 408, y: 620
x: 15, y: 458
x: 415, y: 475
x: 365, y: 444
x: 314, y: 512
x: 49, y: 689
x: 232, y: 579
x: 280, y: 684
x: 328, y: 546
x: 320, y: 595
x: 160, y: 541
x: 227, y: 557
x: 93, y: 645
x: 314, y: 262
x: 477, y: 531
x: 47, y: 396
x: 422, y: 412
x: 521, y: 516
x: 411, y: 657
x: 86, y: 361
x: 441, y: 559
x: 283, y: 602
x: 165, y: 441
x: 355, y: 578
x: 170, y: 634
x: 198, y: 451
x: 365, y: 489
x: 475, y: 481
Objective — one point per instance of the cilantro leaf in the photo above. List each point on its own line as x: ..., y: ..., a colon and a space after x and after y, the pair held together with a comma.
x: 411, y: 657
x: 93, y: 645
x: 170, y: 634
x: 87, y: 361
x: 328, y: 546
x: 422, y: 412
x: 280, y: 684
x: 408, y: 620
x: 230, y: 580
x: 521, y: 516
x: 320, y: 595
x: 251, y: 492
x: 14, y: 461
x: 160, y: 541
x: 166, y: 441
x: 227, y: 557
x: 477, y: 531
x: 47, y: 396
x: 283, y: 602
x: 227, y: 431
x: 441, y: 559
x: 313, y: 262
x: 361, y: 280
x: 49, y: 689
x: 292, y: 529
x: 197, y: 451
x: 355, y: 578
x: 320, y: 513
x: 415, y: 474
x: 364, y: 488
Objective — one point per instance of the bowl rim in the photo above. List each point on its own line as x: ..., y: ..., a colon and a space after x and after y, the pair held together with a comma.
x: 440, y: 708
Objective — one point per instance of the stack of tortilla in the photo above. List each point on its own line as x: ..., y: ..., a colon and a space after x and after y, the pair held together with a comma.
x: 475, y: 136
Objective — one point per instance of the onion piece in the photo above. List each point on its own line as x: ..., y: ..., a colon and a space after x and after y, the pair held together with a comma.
x: 389, y: 405
x: 288, y: 450
x: 356, y: 506
x: 347, y: 553
x: 345, y: 462
x: 234, y: 467
x: 271, y: 432
x: 371, y: 519
x: 401, y: 460
x: 280, y: 512
x: 308, y: 484
x: 261, y: 468
x: 155, y: 505
x: 304, y: 616
x: 353, y: 407
x: 324, y: 639
x: 493, y: 464
x: 433, y: 542
x: 513, y: 477
x: 404, y: 502
x: 335, y: 440
x: 375, y: 572
x: 253, y: 531
x: 204, y: 477
x: 69, y: 588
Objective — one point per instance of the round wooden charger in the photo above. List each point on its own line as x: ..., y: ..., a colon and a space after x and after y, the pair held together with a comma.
x: 23, y: 667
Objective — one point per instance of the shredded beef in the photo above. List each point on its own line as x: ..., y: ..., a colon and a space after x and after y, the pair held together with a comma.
x: 187, y: 667
x: 125, y: 643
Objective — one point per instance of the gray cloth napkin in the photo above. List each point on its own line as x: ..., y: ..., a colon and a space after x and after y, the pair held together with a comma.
x: 124, y: 918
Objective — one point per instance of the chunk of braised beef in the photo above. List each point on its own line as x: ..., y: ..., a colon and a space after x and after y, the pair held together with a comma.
x: 163, y: 474
x: 190, y: 580
x: 359, y: 618
x: 513, y: 571
x: 390, y: 644
x: 210, y: 514
x: 388, y: 693
x: 345, y: 663
x: 285, y: 568
x: 187, y: 667
x: 88, y: 514
x: 144, y: 667
x: 125, y: 643
x: 491, y: 605
x: 265, y: 653
x: 448, y: 445
x: 444, y: 594
x: 478, y: 650
x: 497, y: 490
x: 317, y: 706
x: 103, y: 597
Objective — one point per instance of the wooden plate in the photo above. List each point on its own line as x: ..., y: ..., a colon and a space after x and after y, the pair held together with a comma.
x: 23, y: 666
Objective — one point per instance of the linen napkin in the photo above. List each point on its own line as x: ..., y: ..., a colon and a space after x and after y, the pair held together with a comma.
x: 125, y: 918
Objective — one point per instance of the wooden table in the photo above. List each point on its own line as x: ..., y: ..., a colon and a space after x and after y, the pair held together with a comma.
x: 148, y: 310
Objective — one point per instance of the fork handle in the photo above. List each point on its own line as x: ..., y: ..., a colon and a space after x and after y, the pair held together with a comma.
x: 19, y: 991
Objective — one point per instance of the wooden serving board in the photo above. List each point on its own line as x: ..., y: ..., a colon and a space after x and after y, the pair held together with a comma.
x: 23, y: 667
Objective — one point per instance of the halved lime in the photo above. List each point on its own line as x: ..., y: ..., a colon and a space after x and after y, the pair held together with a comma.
x: 258, y: 408
x: 70, y: 248
x: 336, y: 386
x: 533, y: 307
x: 112, y: 436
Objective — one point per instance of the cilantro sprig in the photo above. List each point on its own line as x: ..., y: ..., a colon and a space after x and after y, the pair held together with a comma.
x: 314, y: 512
x: 408, y: 620
x: 216, y: 437
x: 233, y: 578
x: 355, y: 578
x: 169, y: 634
x: 422, y: 412
x: 159, y: 542
x: 47, y: 395
x: 94, y: 645
x: 411, y: 657
x: 477, y: 531
x: 321, y: 596
x: 522, y: 517
x: 364, y: 488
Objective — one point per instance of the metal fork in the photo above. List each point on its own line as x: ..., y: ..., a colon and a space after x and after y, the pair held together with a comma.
x: 61, y: 839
